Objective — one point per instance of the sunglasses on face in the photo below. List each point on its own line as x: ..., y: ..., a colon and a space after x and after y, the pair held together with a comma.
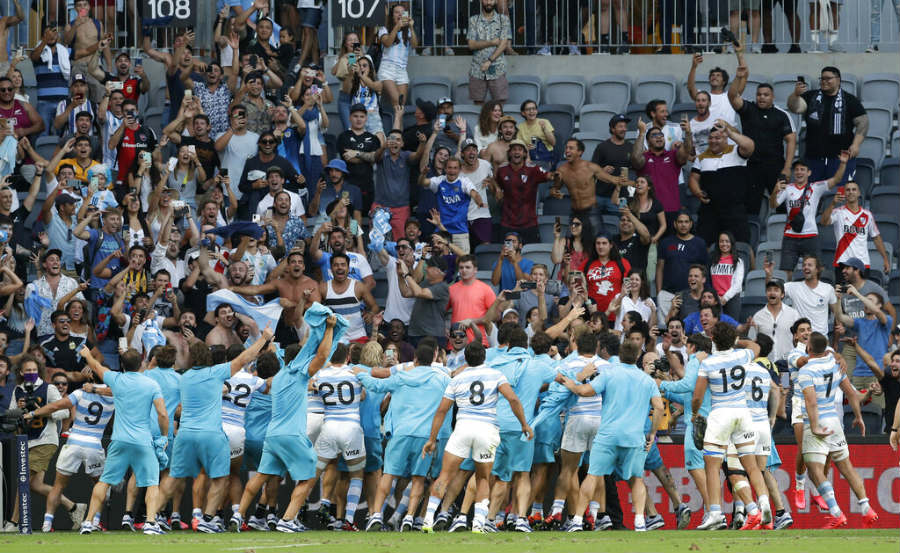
x: 654, y: 135
x: 6, y: 89
x: 239, y: 114
x: 458, y: 335
x: 267, y: 141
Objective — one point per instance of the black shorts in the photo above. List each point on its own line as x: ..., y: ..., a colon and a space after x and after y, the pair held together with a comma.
x: 793, y: 249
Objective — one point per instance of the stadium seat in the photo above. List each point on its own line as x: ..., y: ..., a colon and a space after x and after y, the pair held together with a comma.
x: 431, y: 88
x: 877, y: 277
x: 461, y: 91
x: 774, y: 250
x: 850, y: 83
x: 565, y: 89
x: 755, y: 281
x: 875, y: 260
x: 826, y: 235
x: 562, y: 117
x: 754, y: 233
x: 753, y: 82
x: 524, y: 87
x: 335, y: 125
x: 750, y: 305
x: 469, y: 112
x: 701, y: 82
x: 486, y: 255
x: 890, y: 231
x: 890, y: 173
x: 872, y: 418
x: 864, y: 176
x: 634, y: 112
x: 485, y: 276
x: 654, y: 87
x: 688, y: 108
x: 590, y: 140
x: 775, y: 227
x: 539, y: 253
x: 610, y: 90
x: 594, y: 118
x: 895, y: 145
x: 873, y: 148
x: 545, y: 226
x: 46, y: 145
x: 610, y: 224
x: 153, y: 119
x: 554, y: 206
x: 784, y: 85
x: 894, y: 283
x: 881, y: 87
x: 881, y: 119
x: 513, y: 111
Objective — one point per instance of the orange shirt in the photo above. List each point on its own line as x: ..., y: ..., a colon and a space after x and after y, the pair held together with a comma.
x: 471, y: 301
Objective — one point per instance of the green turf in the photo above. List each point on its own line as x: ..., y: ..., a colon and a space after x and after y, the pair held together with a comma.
x: 791, y: 541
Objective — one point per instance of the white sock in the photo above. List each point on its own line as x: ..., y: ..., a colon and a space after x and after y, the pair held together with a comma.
x: 864, y: 505
x: 799, y: 481
x: 433, y: 504
x: 481, y: 509
x: 639, y: 521
x: 558, y: 505
x: 593, y: 507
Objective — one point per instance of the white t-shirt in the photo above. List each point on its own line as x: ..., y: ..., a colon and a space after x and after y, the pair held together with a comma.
x: 396, y: 306
x: 484, y: 170
x: 266, y: 203
x: 721, y: 108
x: 852, y: 232
x: 237, y: 151
x: 808, y: 201
x: 700, y: 133
x: 397, y: 53
x: 812, y: 303
x: 313, y: 130
x: 629, y: 304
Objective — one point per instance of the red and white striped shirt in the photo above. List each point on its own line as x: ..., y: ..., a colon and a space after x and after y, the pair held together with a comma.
x: 852, y: 230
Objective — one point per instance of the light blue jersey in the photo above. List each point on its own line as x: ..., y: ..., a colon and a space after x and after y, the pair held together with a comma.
x: 415, y: 396
x: 201, y: 398
x: 475, y: 391
x: 626, y: 392
x: 758, y: 392
x: 727, y: 377
x: 133, y: 396
x: 238, y: 395
x: 370, y: 410
x: 170, y: 383
x: 526, y: 375
x: 586, y: 406
x: 92, y: 413
x: 288, y: 416
x: 795, y: 354
x: 685, y: 387
x: 341, y: 392
x: 823, y: 375
x: 257, y: 416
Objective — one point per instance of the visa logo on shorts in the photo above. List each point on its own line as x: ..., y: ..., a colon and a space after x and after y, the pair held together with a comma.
x: 749, y: 435
x: 351, y: 453
x: 95, y: 466
x: 484, y: 456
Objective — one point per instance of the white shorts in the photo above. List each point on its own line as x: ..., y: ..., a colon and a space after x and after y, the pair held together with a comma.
x: 579, y: 433
x: 796, y: 409
x: 236, y: 435
x: 341, y: 438
x: 816, y: 449
x: 478, y: 440
x: 71, y: 457
x: 314, y: 425
x: 732, y: 461
x: 763, y: 438
x: 729, y: 425
x: 390, y: 71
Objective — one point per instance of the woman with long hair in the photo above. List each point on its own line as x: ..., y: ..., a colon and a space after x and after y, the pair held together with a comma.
x: 536, y: 133
x: 79, y: 325
x: 430, y: 168
x: 145, y: 174
x: 135, y: 230
x: 396, y: 44
x: 187, y: 175
x: 340, y: 213
x: 313, y: 155
x: 571, y: 252
x: 650, y: 212
x: 351, y: 50
x: 605, y: 272
x: 635, y: 296
x: 726, y: 270
x: 488, y: 123
x: 365, y: 90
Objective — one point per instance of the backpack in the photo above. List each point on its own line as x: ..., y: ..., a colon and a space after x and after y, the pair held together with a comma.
x: 89, y: 253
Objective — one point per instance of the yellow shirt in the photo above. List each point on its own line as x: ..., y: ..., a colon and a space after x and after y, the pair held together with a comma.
x: 528, y: 130
x: 80, y: 172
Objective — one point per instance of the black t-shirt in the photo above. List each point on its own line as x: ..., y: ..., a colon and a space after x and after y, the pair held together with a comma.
x: 360, y: 173
x: 767, y: 128
x: 206, y: 153
x: 410, y: 142
x: 820, y: 141
x: 633, y: 251
x: 891, y: 387
x: 63, y: 354
x: 617, y: 155
x: 21, y: 235
x: 650, y: 218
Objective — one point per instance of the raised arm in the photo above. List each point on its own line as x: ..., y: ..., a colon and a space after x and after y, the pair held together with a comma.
x: 740, y: 81
x: 250, y: 353
x: 324, y: 350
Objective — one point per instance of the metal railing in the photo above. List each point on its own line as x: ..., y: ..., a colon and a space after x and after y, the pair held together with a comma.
x: 558, y: 26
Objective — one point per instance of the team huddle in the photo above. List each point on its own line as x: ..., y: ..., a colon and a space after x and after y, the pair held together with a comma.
x: 486, y: 424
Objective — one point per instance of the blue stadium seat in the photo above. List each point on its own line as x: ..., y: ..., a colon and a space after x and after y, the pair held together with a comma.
x: 46, y: 145
x: 890, y: 231
x: 539, y: 253
x: 430, y: 87
x: 773, y: 248
x: 335, y: 125
x: 882, y: 88
x: 701, y: 82
x: 545, y: 226
x: 894, y: 283
x: 826, y: 235
x: 873, y: 148
x: 610, y: 224
x: 561, y: 116
x: 611, y: 90
x: 881, y: 119
x: 633, y: 112
x: 565, y: 89
x: 864, y: 176
x: 594, y: 118
x: 676, y: 110
x: 590, y: 140
x: 890, y: 173
x: 524, y: 87
x: 850, y: 83
x: 158, y: 96
x: 755, y: 281
x: 654, y: 87
x: 784, y: 85
x: 461, y: 91
x: 750, y: 305
x: 486, y: 255
x: 560, y: 206
x: 895, y: 145
x: 753, y: 82
x: 775, y: 227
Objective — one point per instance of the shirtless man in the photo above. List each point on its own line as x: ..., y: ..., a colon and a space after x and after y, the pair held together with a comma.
x: 237, y: 274
x: 183, y: 338
x: 580, y: 177
x: 496, y: 151
x: 224, y: 333
x: 296, y: 290
x: 86, y: 38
